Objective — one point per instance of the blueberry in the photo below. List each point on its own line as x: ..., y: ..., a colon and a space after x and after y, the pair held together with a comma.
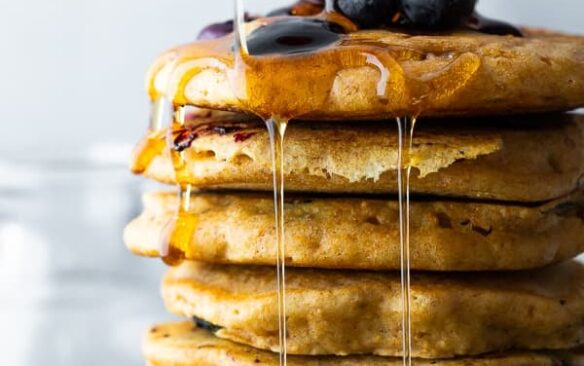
x: 437, y: 14
x: 203, y: 324
x: 482, y: 24
x: 218, y: 30
x: 368, y: 13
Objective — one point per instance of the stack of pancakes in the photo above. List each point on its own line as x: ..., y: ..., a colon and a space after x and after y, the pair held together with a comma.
x: 497, y: 213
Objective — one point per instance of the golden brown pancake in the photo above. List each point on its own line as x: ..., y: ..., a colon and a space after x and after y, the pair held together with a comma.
x: 530, y: 158
x: 363, y: 233
x: 183, y: 344
x: 460, y: 73
x: 344, y: 312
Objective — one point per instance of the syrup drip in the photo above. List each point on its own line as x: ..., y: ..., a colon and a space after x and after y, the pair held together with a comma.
x: 154, y: 143
x: 176, y: 236
x: 405, y: 130
x: 276, y: 130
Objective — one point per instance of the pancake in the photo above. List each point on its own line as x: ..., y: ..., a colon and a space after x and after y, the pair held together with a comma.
x: 538, y: 158
x: 459, y: 73
x: 343, y: 312
x: 363, y: 233
x: 183, y: 344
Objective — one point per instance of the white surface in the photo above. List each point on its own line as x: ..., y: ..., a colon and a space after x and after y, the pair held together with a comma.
x: 72, y: 71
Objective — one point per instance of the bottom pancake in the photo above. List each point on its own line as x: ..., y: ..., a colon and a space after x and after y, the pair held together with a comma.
x: 183, y: 344
x: 348, y: 312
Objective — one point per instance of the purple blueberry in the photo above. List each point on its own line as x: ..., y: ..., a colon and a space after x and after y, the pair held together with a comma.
x: 218, y: 30
x: 436, y: 14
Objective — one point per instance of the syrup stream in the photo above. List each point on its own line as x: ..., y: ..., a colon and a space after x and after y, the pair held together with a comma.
x: 405, y: 130
x: 276, y: 129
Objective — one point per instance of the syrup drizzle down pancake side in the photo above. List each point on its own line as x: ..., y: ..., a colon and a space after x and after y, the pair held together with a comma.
x: 280, y: 69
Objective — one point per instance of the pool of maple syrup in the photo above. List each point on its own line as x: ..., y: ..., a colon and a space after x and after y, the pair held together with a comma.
x: 280, y: 71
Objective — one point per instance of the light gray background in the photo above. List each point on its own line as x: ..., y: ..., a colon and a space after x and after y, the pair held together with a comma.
x: 72, y: 71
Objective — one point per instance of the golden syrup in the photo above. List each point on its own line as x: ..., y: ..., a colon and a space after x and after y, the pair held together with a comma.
x: 153, y: 144
x: 405, y: 131
x: 276, y: 131
x: 177, y: 236
x: 147, y: 149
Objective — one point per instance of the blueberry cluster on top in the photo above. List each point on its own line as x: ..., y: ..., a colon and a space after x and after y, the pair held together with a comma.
x: 420, y: 14
x: 424, y: 15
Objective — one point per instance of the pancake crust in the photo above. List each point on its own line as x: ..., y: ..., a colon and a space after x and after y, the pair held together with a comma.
x: 541, y: 72
x: 341, y: 313
x: 183, y: 344
x: 357, y: 233
x: 536, y: 157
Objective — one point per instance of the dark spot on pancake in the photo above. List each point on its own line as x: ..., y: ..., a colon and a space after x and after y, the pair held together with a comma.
x: 555, y: 164
x: 443, y: 220
x: 481, y: 230
x: 569, y: 209
x: 153, y: 330
x: 546, y: 60
x: 562, y: 302
x: 373, y: 220
x: 465, y: 222
x: 242, y: 136
x: 296, y: 201
x: 203, y: 324
x: 257, y: 361
x: 165, y: 335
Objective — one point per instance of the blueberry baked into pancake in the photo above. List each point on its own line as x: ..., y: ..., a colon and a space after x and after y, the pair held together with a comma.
x: 478, y: 189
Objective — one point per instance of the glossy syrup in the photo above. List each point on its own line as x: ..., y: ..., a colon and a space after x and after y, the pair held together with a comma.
x: 273, y: 75
x: 176, y: 238
x: 405, y: 132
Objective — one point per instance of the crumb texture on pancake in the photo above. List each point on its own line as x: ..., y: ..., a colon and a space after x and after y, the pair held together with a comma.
x: 356, y: 233
x: 541, y: 72
x: 537, y: 157
x: 182, y: 344
x: 342, y: 312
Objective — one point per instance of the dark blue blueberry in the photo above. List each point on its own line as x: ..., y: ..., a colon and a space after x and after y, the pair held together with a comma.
x: 482, y: 24
x: 436, y: 14
x: 218, y: 30
x: 203, y: 324
x: 369, y: 13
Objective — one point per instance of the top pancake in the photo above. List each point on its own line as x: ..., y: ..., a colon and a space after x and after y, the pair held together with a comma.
x: 459, y: 73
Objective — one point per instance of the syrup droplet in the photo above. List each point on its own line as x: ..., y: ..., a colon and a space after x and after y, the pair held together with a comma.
x: 153, y: 144
x: 146, y: 151
x: 176, y: 237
